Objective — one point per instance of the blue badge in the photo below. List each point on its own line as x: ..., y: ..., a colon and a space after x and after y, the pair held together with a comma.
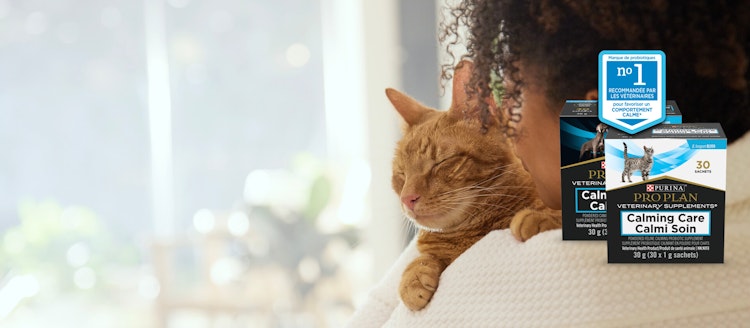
x: 632, y: 89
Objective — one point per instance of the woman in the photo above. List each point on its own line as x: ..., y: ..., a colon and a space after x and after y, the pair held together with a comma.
x: 546, y: 52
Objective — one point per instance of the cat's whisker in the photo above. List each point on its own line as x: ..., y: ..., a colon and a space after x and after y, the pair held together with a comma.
x: 503, y: 166
x: 482, y: 193
x: 502, y: 195
x: 472, y: 215
x: 407, y: 225
x: 482, y: 188
x: 404, y: 223
x: 472, y: 209
x: 499, y: 195
x: 465, y: 211
x: 501, y: 187
x: 502, y: 172
x: 479, y: 185
x: 495, y: 177
x: 460, y: 189
x: 484, y: 207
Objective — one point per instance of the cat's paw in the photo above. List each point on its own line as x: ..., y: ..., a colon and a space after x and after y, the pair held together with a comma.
x: 419, y: 282
x: 528, y: 222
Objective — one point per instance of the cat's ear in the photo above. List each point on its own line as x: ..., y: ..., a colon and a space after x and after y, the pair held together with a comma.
x: 410, y: 109
x: 462, y: 103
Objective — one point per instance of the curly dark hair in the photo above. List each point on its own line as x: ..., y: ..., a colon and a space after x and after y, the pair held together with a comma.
x: 707, y: 44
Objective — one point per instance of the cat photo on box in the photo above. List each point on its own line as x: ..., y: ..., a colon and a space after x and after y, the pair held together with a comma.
x: 673, y: 213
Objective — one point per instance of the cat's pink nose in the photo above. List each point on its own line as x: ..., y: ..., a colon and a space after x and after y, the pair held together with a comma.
x: 410, y: 200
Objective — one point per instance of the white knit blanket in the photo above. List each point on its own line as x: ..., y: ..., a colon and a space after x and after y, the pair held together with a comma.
x: 500, y: 282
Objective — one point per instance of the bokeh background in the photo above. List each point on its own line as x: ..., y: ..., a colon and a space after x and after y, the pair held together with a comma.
x: 194, y: 163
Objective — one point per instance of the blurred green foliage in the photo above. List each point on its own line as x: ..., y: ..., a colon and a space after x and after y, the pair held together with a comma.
x: 41, y: 245
x: 308, y: 168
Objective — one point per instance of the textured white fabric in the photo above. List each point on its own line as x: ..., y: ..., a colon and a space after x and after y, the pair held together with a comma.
x: 549, y: 282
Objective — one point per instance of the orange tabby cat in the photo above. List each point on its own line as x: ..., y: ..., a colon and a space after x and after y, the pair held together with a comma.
x: 457, y: 184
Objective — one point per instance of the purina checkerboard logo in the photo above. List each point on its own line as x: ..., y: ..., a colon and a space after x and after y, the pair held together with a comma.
x: 665, y: 187
x: 603, y: 165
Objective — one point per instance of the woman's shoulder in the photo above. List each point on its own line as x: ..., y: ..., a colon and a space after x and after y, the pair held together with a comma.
x: 548, y: 281
x: 738, y: 171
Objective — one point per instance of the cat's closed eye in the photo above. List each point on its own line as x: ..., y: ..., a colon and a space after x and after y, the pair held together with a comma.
x: 397, y: 180
x: 452, y: 168
x: 441, y: 163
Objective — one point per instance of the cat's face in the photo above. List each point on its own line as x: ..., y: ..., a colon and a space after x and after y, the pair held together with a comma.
x: 648, y: 151
x: 443, y: 167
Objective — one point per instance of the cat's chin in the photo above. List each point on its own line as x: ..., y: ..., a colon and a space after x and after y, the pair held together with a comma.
x: 426, y: 228
x: 423, y: 222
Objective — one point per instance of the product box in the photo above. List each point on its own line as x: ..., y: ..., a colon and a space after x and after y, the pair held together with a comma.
x: 665, y: 194
x: 584, y: 209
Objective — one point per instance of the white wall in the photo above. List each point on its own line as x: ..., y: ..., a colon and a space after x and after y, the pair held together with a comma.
x: 362, y: 58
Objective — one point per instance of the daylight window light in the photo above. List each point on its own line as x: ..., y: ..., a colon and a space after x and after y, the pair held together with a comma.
x: 204, y: 221
x: 238, y: 223
x: 257, y: 186
x: 297, y: 55
x: 15, y: 291
x: 84, y: 278
x: 159, y: 118
x: 352, y: 208
x: 280, y: 189
x: 14, y: 242
x: 78, y: 254
x: 149, y: 287
x: 225, y: 270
